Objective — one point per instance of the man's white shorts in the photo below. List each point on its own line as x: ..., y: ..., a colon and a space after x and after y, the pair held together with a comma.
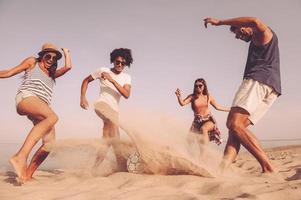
x: 254, y: 97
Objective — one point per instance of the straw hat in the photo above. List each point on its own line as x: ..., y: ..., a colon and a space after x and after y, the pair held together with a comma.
x: 47, y: 47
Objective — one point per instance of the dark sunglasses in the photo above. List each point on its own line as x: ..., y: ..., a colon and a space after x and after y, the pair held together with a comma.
x: 198, y: 85
x: 49, y: 56
x: 118, y: 62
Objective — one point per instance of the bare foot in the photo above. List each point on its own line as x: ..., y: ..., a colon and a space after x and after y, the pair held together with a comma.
x: 29, y: 179
x: 273, y: 177
x: 224, y: 165
x: 268, y: 169
x: 19, y: 166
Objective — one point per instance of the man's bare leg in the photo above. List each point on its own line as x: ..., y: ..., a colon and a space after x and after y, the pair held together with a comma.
x: 232, y: 148
x: 236, y: 123
x: 230, y: 153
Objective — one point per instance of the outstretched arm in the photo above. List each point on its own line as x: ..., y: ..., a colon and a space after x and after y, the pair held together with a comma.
x: 83, y: 100
x: 182, y: 102
x: 262, y: 33
x: 24, y: 65
x: 125, y: 90
x: 217, y: 106
x: 238, y: 22
x: 67, y: 67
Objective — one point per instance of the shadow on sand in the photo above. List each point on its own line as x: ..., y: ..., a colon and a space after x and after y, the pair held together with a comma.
x: 296, y: 176
x: 12, y: 178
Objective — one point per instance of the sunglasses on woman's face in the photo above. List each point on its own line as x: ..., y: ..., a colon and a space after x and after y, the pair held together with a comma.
x: 198, y: 85
x: 49, y: 56
x: 118, y: 62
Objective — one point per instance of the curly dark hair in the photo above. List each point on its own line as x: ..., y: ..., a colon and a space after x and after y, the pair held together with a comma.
x: 51, y: 69
x: 233, y: 29
x: 124, y: 53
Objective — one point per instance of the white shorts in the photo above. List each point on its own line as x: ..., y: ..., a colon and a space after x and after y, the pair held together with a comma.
x: 49, y: 139
x: 105, y: 112
x: 254, y: 97
x: 22, y: 95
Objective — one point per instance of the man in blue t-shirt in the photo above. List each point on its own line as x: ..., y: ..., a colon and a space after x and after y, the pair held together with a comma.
x: 260, y: 87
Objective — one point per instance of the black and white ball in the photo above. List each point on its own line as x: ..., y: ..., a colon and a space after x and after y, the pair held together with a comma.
x: 134, y: 163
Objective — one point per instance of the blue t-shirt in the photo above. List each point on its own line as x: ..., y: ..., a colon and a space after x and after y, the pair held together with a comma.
x: 263, y: 64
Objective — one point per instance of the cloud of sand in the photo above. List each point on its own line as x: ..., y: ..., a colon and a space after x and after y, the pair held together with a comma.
x: 160, y: 138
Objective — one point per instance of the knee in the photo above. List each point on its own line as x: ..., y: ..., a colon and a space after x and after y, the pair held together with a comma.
x: 48, y: 146
x: 235, y: 126
x: 229, y: 123
x: 106, y: 126
x: 204, y: 131
x: 52, y: 119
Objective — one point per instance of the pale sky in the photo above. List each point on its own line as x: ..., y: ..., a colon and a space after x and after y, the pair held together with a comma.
x: 170, y: 46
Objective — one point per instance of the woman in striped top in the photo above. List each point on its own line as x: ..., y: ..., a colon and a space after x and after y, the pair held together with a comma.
x: 33, y: 100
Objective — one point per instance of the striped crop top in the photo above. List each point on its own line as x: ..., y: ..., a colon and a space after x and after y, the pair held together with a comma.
x: 37, y: 82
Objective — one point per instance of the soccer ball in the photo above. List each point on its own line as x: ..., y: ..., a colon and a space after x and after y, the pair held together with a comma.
x: 133, y: 163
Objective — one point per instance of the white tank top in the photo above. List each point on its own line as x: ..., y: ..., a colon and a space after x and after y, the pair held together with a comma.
x: 39, y: 83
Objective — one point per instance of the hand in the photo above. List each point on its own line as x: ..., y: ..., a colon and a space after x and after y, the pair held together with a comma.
x: 212, y: 21
x: 65, y: 50
x: 178, y: 92
x: 84, y: 103
x: 106, y: 76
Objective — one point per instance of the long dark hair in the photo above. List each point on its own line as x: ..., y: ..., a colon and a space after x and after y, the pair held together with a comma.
x: 205, y: 91
x: 51, y: 69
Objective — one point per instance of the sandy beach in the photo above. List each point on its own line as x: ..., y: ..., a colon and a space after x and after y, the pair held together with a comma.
x: 242, y: 181
x: 115, y: 100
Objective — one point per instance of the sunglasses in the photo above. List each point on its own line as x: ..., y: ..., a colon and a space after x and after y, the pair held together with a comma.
x: 49, y: 56
x: 198, y: 85
x: 118, y: 62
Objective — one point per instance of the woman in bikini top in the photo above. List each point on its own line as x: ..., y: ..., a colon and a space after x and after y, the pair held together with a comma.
x: 200, y: 100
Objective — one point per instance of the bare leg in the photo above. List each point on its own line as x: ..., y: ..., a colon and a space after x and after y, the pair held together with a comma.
x: 110, y: 131
x: 41, y: 153
x: 36, y: 161
x: 32, y: 106
x: 121, y: 161
x: 230, y: 152
x: 119, y: 154
x: 205, y: 129
x: 237, y: 124
x: 204, y: 136
x: 232, y: 148
x: 102, y: 152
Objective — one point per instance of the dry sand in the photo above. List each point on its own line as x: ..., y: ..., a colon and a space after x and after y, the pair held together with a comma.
x: 244, y: 182
x: 68, y: 173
